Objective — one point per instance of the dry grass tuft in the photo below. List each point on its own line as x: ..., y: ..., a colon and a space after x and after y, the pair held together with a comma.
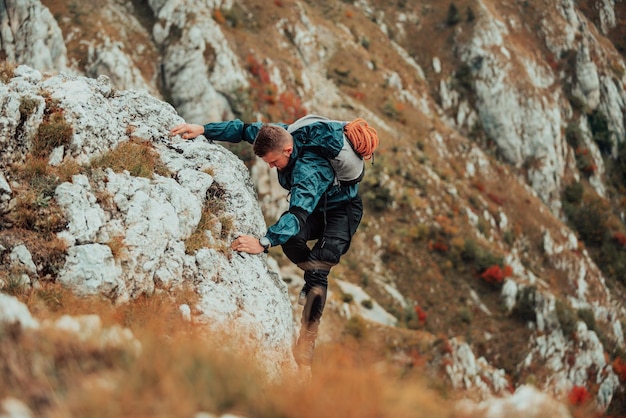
x: 118, y: 247
x: 54, y: 131
x: 7, y: 71
x: 135, y: 156
x: 35, y: 208
x: 199, y: 239
x: 68, y: 169
x: 213, y: 220
x: 12, y: 280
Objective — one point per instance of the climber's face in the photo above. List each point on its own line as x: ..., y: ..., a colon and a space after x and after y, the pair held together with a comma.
x: 280, y: 158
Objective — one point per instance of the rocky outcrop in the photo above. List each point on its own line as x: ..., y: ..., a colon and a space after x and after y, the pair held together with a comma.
x: 30, y: 35
x: 194, y: 44
x: 149, y: 217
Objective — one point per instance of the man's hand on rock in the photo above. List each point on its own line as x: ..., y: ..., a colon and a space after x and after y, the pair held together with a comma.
x: 247, y: 244
x: 187, y: 130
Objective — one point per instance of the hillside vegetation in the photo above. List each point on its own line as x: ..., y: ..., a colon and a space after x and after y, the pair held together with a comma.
x: 494, y: 205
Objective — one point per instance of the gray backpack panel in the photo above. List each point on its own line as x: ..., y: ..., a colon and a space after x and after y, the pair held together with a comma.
x: 348, y: 165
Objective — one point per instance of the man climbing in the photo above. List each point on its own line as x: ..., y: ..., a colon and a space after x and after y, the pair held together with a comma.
x: 322, y: 206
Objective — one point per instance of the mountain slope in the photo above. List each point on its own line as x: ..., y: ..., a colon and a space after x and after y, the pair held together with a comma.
x: 495, y: 204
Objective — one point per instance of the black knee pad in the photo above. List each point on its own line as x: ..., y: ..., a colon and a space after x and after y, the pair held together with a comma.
x: 330, y: 251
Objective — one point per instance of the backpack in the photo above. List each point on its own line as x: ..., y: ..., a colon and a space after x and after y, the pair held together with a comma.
x: 346, y: 153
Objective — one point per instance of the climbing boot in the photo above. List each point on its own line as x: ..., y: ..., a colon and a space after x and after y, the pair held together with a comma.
x: 305, y: 346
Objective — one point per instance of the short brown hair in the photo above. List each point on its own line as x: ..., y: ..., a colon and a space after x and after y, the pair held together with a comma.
x: 270, y: 138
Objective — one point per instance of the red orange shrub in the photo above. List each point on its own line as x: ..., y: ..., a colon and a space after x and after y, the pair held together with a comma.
x: 620, y: 238
x: 218, y: 16
x: 359, y: 95
x: 496, y: 274
x: 421, y: 314
x: 496, y: 199
x: 285, y: 107
x: 579, y: 395
x: 619, y: 368
x: 439, y: 246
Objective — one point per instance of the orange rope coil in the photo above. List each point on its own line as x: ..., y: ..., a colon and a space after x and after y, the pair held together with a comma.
x: 363, y: 137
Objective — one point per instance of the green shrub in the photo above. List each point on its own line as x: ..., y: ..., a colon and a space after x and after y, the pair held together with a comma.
x: 454, y: 16
x: 586, y: 315
x: 573, y: 193
x: 391, y: 110
x: 509, y: 237
x: 574, y: 135
x: 601, y: 133
x: 611, y: 257
x: 590, y: 219
x: 618, y: 173
x: 347, y: 297
x: 486, y: 259
x: 409, y: 317
x: 374, y: 193
x: 525, y: 304
x: 28, y: 105
x: 470, y: 14
x: 465, y: 315
x: 567, y: 318
x: 356, y: 327
x: 463, y: 78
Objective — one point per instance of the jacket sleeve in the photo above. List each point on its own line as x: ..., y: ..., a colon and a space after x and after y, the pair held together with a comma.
x: 232, y: 131
x: 312, y: 176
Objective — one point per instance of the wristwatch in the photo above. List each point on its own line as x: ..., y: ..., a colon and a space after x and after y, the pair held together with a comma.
x: 265, y: 243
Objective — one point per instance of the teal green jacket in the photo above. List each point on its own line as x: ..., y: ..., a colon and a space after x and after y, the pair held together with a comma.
x: 308, y: 175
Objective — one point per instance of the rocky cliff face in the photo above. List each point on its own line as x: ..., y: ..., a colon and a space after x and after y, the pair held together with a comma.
x: 502, y: 162
x: 126, y: 234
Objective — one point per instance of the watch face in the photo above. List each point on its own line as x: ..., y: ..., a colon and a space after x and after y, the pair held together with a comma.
x: 264, y: 242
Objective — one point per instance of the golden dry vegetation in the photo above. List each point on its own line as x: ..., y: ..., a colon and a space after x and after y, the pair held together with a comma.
x: 184, y: 368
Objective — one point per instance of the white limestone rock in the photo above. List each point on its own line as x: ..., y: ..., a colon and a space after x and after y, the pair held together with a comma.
x: 526, y: 402
x: 30, y: 35
x: 91, y: 269
x: 85, y: 217
x: 89, y: 328
x: 20, y: 257
x: 14, y: 311
x: 466, y: 371
x: 108, y: 57
x: 14, y: 408
x: 376, y: 313
x: 523, y: 125
x: 198, y: 99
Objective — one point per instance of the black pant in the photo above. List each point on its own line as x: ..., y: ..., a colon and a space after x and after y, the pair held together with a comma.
x: 333, y: 231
